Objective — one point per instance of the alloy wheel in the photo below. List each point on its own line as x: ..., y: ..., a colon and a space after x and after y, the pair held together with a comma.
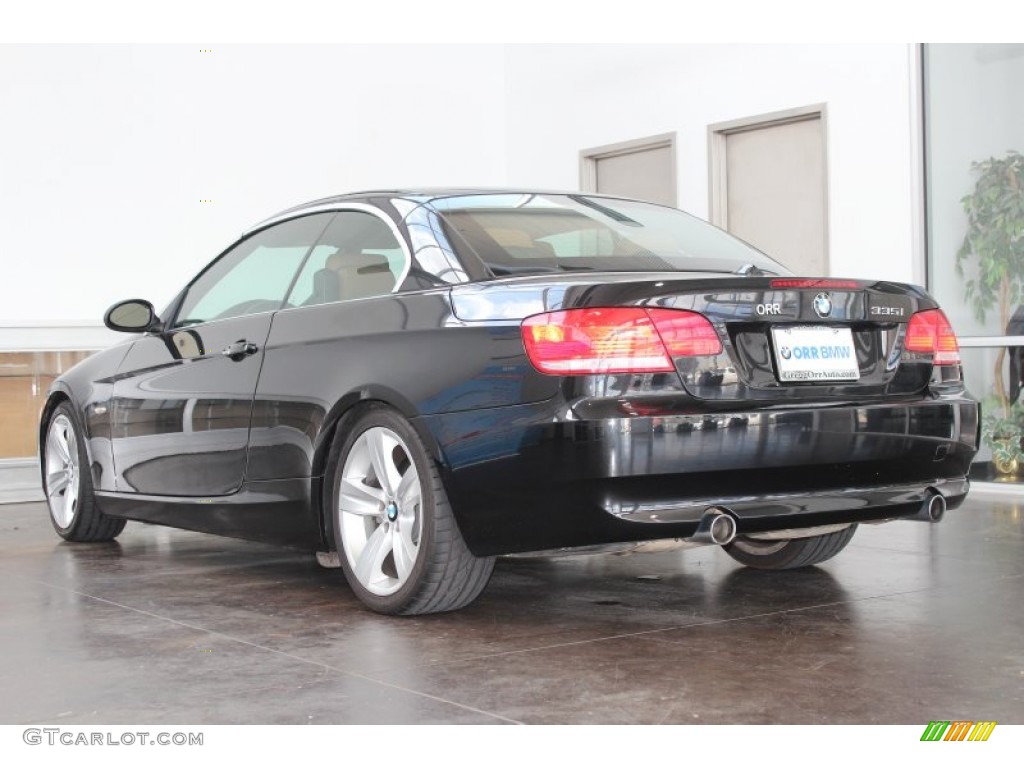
x: 63, y: 471
x: 379, y: 511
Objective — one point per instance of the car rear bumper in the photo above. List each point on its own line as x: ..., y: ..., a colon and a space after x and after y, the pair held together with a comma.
x: 760, y: 513
x: 535, y: 477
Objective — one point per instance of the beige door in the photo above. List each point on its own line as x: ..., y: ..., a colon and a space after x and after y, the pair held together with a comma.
x: 769, y: 186
x: 644, y: 169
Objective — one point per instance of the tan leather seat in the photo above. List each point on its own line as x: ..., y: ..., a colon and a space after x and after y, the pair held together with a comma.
x: 520, y: 245
x: 360, y: 275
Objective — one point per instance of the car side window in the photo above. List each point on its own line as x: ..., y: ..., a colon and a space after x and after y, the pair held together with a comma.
x: 255, y: 275
x: 358, y: 256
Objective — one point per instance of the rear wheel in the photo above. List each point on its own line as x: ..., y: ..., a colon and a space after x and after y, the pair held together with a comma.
x: 789, y: 553
x: 397, y: 540
x: 68, y: 484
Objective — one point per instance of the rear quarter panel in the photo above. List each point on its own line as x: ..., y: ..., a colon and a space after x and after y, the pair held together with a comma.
x: 408, y: 350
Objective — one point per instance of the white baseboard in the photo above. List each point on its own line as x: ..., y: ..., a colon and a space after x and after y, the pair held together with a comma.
x: 1004, y: 490
x: 46, y: 338
x: 19, y: 481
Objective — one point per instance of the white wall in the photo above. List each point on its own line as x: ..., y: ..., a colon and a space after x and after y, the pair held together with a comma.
x: 566, y: 98
x: 106, y: 152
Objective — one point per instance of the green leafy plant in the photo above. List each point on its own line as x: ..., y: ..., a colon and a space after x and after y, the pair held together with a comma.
x: 995, y: 242
x: 1002, y: 432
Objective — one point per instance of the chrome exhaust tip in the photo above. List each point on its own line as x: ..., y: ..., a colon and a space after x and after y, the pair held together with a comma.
x: 717, y: 526
x: 933, y: 509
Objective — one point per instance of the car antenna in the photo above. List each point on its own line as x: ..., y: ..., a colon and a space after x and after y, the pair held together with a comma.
x: 750, y: 270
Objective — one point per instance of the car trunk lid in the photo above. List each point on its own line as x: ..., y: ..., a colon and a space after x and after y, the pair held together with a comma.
x: 782, y: 339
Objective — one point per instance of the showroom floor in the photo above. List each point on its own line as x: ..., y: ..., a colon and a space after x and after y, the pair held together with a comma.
x: 911, y: 623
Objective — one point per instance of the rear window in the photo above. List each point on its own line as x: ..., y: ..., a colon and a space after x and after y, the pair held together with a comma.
x: 534, y: 234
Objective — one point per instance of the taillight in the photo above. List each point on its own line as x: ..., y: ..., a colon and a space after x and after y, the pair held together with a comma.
x: 930, y: 332
x: 616, y: 339
x: 685, y: 334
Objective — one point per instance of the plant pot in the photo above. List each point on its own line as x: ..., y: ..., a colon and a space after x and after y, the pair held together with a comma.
x: 1004, y: 455
x: 1005, y: 466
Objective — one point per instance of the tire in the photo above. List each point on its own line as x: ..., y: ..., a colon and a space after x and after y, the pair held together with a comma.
x: 399, y: 545
x: 789, y: 553
x: 67, y: 482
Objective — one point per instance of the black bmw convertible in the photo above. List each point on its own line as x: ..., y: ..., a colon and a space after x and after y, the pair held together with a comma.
x: 411, y: 383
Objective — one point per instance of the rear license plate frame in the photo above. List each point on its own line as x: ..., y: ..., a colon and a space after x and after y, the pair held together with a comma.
x: 814, y: 354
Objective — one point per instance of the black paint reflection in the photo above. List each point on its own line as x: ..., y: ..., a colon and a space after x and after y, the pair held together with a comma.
x: 181, y: 409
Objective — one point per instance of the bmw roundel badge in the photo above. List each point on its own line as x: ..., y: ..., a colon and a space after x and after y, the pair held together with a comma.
x: 823, y: 305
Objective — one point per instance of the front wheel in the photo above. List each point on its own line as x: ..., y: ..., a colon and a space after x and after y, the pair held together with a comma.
x: 789, y: 553
x: 68, y: 485
x: 399, y: 545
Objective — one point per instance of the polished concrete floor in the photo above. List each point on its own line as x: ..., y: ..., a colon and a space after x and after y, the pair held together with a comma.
x: 911, y: 623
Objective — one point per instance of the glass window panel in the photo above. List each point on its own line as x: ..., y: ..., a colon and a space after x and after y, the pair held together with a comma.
x: 538, y: 233
x: 358, y: 256
x: 254, y: 276
x: 974, y: 128
x: 973, y: 114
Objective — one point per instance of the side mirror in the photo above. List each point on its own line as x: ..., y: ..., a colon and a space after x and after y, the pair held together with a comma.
x: 131, y: 316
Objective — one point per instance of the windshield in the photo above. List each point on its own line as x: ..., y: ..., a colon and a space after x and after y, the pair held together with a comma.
x: 521, y: 234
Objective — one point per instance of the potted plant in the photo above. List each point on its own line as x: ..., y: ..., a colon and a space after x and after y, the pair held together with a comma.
x: 1002, y: 433
x: 995, y: 242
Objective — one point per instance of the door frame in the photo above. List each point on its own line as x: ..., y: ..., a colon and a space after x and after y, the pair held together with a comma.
x: 718, y: 134
x: 590, y: 157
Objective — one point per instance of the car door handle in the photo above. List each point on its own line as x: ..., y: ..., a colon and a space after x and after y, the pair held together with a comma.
x: 239, y: 350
